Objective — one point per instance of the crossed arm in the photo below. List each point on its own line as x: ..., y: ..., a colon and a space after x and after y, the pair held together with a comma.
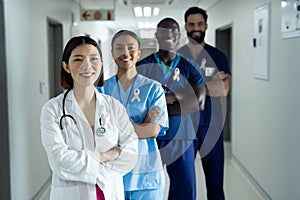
x: 219, y: 85
x: 193, y: 100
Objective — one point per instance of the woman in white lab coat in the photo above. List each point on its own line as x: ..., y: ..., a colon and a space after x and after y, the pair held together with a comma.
x: 88, y: 138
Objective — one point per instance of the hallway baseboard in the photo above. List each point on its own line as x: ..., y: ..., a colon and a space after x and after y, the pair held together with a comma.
x: 264, y: 195
x: 43, y: 193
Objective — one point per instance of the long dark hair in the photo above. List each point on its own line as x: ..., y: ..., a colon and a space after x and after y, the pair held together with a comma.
x: 66, y: 80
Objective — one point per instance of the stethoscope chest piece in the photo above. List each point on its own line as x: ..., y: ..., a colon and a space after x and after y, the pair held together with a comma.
x: 100, y: 131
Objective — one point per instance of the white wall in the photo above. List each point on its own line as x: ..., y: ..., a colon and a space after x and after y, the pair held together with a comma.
x: 266, y: 115
x: 265, y: 133
x: 27, y: 65
x: 98, y: 30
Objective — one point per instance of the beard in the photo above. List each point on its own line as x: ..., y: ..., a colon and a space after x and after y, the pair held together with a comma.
x: 197, y: 39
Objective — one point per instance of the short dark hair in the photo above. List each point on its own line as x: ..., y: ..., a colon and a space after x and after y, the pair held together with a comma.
x: 195, y: 10
x: 66, y: 80
x: 125, y: 32
x: 159, y: 25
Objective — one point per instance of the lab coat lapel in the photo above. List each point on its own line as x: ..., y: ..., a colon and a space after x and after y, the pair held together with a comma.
x: 84, y: 127
x: 100, y: 109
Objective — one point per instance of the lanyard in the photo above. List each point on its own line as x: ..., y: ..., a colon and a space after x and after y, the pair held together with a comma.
x: 167, y: 70
x: 131, y: 90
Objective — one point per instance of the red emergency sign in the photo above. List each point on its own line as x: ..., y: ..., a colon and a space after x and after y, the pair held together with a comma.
x: 97, y: 15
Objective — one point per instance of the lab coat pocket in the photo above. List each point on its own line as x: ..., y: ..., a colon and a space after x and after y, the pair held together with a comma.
x: 106, y: 138
x: 72, y: 137
x: 65, y: 193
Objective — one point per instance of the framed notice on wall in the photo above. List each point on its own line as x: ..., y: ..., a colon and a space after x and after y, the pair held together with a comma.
x: 261, y: 41
x: 290, y: 18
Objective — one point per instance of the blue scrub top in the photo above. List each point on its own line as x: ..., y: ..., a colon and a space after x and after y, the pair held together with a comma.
x: 142, y: 95
x: 180, y: 126
x: 212, y: 113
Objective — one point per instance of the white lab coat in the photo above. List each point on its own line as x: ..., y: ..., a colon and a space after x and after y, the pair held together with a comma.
x: 74, y: 161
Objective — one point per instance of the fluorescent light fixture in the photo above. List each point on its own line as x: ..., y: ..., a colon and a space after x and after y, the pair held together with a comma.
x: 147, y: 25
x: 147, y: 11
x: 155, y: 11
x: 141, y: 25
x: 147, y: 34
x: 283, y: 3
x: 138, y: 11
x: 153, y: 25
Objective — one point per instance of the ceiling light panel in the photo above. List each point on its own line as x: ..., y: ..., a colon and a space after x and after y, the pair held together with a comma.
x: 155, y: 11
x: 138, y: 11
x: 147, y: 11
x: 145, y: 2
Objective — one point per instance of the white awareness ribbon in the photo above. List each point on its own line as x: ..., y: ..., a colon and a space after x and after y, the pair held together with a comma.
x: 107, y: 121
x: 203, y: 62
x: 136, y: 94
x: 176, y: 74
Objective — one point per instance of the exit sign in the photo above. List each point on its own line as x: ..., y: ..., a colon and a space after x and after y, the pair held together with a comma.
x: 97, y: 15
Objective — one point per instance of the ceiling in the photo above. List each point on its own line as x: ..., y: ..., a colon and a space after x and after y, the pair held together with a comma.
x: 124, y: 15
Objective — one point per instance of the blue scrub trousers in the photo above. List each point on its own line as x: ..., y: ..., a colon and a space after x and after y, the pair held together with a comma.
x: 178, y: 155
x: 212, y: 157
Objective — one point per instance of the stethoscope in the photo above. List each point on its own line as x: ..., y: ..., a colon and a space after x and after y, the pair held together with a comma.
x: 99, y: 132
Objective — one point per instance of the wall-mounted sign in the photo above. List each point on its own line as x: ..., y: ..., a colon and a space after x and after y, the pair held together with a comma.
x: 97, y: 15
x: 261, y: 41
x: 290, y: 18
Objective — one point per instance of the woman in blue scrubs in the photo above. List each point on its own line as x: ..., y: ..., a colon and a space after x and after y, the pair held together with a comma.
x: 145, y: 102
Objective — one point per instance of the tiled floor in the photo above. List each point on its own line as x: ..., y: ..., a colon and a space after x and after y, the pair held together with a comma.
x: 237, y: 186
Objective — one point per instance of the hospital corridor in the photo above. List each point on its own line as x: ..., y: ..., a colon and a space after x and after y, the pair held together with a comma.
x: 261, y: 113
x: 238, y: 184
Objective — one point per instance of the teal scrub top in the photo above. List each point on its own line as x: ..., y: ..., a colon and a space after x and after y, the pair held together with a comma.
x: 142, y: 95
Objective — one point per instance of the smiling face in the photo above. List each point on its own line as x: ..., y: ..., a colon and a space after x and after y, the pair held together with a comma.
x: 168, y: 35
x: 125, y: 52
x: 84, y: 65
x: 196, y: 28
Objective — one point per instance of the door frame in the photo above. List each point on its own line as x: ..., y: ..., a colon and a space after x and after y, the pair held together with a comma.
x: 5, y: 192
x: 55, y: 48
x: 224, y: 43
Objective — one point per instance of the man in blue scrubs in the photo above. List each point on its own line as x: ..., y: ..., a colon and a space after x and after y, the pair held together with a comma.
x: 213, y: 63
x: 185, y: 94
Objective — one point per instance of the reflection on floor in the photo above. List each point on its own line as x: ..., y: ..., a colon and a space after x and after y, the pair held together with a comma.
x: 237, y: 185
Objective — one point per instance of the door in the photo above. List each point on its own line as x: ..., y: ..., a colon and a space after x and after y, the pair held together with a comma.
x: 224, y: 43
x: 55, y: 47
x: 4, y: 135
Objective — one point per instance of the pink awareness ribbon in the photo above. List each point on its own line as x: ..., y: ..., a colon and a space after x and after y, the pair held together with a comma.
x: 136, y: 94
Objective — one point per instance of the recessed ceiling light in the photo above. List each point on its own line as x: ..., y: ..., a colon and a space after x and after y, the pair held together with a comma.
x: 138, y: 11
x: 147, y: 11
x: 155, y: 11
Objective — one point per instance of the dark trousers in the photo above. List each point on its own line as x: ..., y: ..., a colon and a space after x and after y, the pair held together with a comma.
x: 178, y: 155
x: 211, y: 147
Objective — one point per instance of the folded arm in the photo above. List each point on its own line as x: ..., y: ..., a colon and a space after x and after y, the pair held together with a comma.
x: 193, y: 100
x: 219, y: 85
